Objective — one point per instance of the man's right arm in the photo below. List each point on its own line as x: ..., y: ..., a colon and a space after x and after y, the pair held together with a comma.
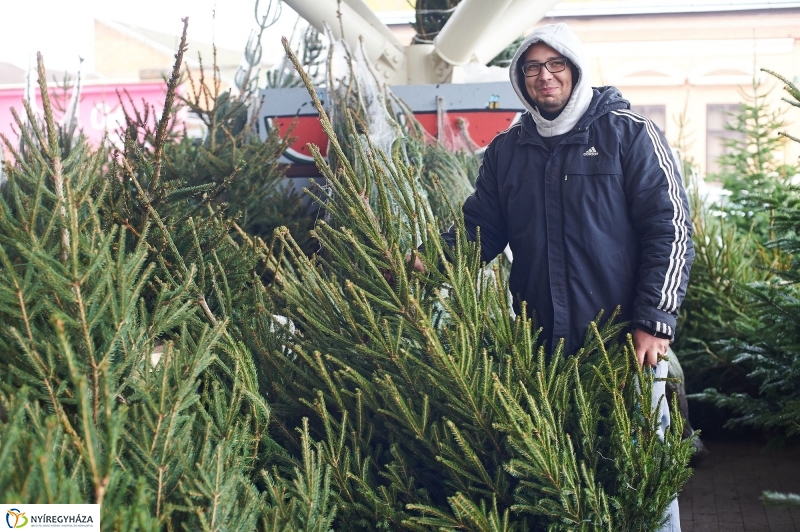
x: 483, y: 209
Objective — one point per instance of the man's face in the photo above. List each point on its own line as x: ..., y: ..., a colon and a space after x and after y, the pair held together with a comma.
x: 550, y: 92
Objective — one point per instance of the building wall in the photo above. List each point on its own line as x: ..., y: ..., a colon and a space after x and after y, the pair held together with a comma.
x: 689, y: 62
x: 120, y: 56
x: 388, y: 5
x: 684, y: 63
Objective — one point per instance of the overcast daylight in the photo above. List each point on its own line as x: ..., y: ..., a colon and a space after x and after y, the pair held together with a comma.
x: 63, y: 31
x: 463, y: 265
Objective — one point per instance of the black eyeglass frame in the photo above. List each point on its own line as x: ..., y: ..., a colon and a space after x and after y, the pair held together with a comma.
x: 547, y: 64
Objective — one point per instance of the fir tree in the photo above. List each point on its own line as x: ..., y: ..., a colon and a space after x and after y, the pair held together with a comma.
x: 728, y: 254
x: 432, y: 405
x: 125, y: 381
x: 140, y: 348
x: 229, y: 166
x: 768, y: 347
x: 93, y: 414
x: 749, y: 168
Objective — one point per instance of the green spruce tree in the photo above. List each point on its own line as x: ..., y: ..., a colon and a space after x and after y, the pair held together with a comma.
x: 729, y: 253
x: 750, y: 170
x: 126, y: 380
x: 433, y: 406
x: 768, y: 345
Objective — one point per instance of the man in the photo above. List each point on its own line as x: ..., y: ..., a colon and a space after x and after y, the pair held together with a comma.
x: 590, y: 200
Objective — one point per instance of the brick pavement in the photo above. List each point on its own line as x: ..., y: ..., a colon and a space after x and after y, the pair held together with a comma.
x: 723, y: 494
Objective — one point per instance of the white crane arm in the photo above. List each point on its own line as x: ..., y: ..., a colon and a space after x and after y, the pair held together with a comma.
x: 477, y: 31
x: 381, y: 47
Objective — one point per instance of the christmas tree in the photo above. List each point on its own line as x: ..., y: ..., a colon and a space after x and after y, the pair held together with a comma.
x: 433, y: 406
x: 124, y: 379
x: 767, y: 347
x: 148, y: 368
x: 750, y: 168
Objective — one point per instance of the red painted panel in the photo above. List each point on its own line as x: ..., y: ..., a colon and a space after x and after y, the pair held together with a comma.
x: 307, y: 129
x: 482, y: 125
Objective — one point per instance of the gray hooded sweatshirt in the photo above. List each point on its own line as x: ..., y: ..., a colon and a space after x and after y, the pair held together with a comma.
x: 562, y: 39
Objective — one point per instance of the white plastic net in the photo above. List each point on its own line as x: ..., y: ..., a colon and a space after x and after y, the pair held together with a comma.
x: 351, y: 75
x: 445, y: 164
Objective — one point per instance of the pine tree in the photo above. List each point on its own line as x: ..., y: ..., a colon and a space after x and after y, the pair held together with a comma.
x: 125, y: 380
x: 768, y: 347
x: 749, y: 168
x: 433, y: 407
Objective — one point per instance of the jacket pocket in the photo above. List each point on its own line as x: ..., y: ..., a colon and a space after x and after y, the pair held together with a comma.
x: 592, y: 165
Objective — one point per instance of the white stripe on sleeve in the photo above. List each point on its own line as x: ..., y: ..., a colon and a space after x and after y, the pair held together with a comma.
x: 677, y: 256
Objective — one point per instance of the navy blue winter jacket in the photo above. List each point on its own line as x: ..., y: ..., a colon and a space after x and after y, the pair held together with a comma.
x: 600, y: 221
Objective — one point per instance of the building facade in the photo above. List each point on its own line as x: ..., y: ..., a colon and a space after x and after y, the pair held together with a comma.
x: 685, y: 65
x: 688, y: 70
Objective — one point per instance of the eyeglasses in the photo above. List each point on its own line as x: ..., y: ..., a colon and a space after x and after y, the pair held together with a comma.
x: 533, y: 69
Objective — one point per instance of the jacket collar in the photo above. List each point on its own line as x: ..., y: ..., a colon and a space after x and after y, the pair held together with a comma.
x: 603, y: 101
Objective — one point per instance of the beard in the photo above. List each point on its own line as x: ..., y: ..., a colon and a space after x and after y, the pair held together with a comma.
x: 551, y: 104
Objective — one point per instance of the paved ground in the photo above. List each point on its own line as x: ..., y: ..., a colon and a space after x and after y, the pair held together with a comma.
x: 723, y: 494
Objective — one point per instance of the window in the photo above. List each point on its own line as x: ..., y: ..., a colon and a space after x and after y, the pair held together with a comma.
x: 656, y: 113
x: 717, y: 116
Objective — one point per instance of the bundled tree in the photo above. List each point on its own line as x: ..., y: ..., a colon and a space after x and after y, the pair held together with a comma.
x: 443, y: 171
x: 434, y: 406
x: 430, y: 18
x: 124, y: 381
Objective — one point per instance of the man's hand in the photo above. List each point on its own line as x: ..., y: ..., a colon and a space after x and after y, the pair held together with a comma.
x: 648, y: 347
x: 417, y: 263
x: 417, y: 266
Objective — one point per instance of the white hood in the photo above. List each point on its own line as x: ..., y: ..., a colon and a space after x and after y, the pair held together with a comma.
x: 563, y: 40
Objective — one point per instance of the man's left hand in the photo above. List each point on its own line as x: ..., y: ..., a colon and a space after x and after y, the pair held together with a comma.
x: 648, y: 347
